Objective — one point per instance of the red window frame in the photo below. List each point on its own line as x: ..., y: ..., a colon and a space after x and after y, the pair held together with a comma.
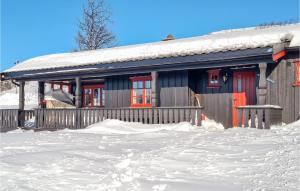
x: 61, y: 84
x: 93, y: 87
x: 214, y: 75
x: 297, y: 75
x: 144, y: 96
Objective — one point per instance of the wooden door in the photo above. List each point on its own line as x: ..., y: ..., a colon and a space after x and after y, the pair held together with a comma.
x: 244, y: 92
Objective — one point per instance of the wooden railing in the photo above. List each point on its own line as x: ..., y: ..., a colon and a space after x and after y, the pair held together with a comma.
x: 8, y: 119
x: 11, y: 119
x: 53, y: 119
x: 259, y: 116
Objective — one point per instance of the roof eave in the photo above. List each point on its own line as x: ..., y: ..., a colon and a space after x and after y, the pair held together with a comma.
x: 210, y: 60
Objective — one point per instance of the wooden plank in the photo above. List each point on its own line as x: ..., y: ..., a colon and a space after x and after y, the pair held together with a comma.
x: 140, y: 111
x: 136, y: 115
x: 193, y: 116
x: 165, y: 116
x: 260, y: 118
x: 155, y: 115
x: 127, y: 111
x: 171, y: 114
x: 81, y: 118
x: 267, y: 118
x: 181, y: 115
x: 160, y: 116
x: 187, y: 115
x: 101, y: 115
x: 113, y: 113
x: 240, y: 117
x: 145, y: 120
x: 246, y: 118
x: 131, y: 115
x: 150, y: 115
x: 252, y: 117
x: 176, y: 115
x: 199, y: 120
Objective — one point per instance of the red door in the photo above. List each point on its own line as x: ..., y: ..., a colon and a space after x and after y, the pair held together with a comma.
x: 244, y: 92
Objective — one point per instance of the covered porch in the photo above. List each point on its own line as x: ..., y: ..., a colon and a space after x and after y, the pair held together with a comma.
x: 165, y: 97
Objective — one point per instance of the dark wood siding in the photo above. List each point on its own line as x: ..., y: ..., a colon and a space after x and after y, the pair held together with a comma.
x: 173, y: 89
x: 217, y: 102
x: 117, y: 91
x: 281, y: 91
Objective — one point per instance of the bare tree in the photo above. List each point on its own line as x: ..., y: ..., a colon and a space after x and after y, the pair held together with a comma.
x: 93, y: 30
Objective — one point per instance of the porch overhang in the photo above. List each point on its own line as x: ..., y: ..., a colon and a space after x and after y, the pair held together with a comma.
x: 202, y: 61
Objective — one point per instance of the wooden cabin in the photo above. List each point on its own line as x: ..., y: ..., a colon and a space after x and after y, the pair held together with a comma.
x: 242, y: 77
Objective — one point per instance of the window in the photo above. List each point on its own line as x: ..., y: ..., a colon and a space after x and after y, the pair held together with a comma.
x: 66, y: 87
x: 214, y: 78
x: 93, y: 96
x: 141, y: 91
x: 297, y: 68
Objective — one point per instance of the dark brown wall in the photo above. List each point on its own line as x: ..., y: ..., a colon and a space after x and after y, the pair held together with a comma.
x: 217, y: 102
x: 117, y: 91
x: 172, y: 90
x: 281, y: 90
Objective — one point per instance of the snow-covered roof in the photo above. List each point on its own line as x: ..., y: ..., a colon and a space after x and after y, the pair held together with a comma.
x: 227, y: 40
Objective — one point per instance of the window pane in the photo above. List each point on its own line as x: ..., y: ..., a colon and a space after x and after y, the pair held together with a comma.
x: 148, y: 92
x: 65, y: 88
x: 140, y: 100
x: 140, y: 84
x: 139, y: 92
x: 134, y: 85
x: 148, y: 99
x: 148, y: 84
x: 103, y: 97
x: 134, y: 100
x: 87, y: 97
x: 97, y: 97
x: 56, y: 87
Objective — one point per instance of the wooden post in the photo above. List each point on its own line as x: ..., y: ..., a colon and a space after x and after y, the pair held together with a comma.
x: 21, y: 95
x: 154, y: 96
x: 262, y: 87
x: 78, y: 93
x: 21, y: 116
x: 41, y: 94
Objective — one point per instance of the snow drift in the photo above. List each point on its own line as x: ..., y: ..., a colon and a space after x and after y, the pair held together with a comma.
x: 115, y: 155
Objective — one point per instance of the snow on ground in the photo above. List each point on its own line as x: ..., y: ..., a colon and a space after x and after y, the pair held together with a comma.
x: 116, y: 155
x: 10, y: 99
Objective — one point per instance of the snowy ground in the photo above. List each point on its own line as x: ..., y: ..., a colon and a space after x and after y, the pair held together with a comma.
x: 116, y: 155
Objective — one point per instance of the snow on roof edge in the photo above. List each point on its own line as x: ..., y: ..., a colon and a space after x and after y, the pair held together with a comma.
x: 225, y: 40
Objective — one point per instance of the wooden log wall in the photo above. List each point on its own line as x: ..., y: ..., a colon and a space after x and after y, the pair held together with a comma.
x: 282, y: 92
x: 54, y: 119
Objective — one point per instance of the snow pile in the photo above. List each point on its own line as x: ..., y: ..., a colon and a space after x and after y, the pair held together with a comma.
x: 175, y: 157
x: 112, y: 126
x: 215, y: 42
x: 10, y: 99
